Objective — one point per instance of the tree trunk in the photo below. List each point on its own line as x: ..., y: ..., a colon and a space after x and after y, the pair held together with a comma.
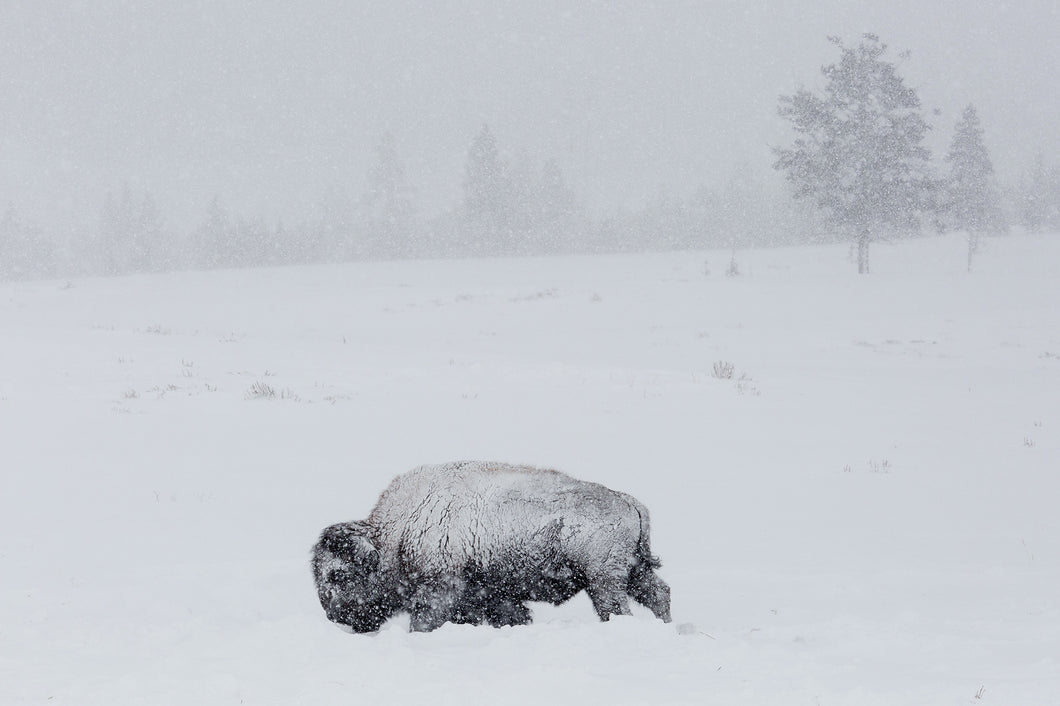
x: 973, y: 245
x: 863, y: 252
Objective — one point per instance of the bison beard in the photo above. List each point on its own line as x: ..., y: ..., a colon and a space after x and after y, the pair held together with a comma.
x: 472, y: 542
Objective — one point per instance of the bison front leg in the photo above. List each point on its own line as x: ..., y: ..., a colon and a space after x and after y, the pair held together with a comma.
x: 503, y: 612
x: 435, y: 602
x: 608, y: 594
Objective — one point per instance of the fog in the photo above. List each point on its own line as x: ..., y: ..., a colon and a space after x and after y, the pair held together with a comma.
x: 274, y: 106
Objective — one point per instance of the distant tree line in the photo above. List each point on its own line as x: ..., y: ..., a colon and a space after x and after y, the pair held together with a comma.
x: 858, y: 169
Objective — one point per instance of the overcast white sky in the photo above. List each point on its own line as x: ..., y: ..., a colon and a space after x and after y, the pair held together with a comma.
x: 272, y: 105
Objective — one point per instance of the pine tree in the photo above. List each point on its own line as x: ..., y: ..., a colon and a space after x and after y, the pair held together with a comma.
x: 388, y: 203
x: 1038, y: 197
x: 214, y: 240
x: 859, y: 152
x: 486, y: 192
x: 117, y: 232
x: 150, y: 251
x: 971, y: 200
x: 131, y: 237
x: 483, y: 176
x: 516, y: 216
x: 24, y: 251
x: 555, y: 209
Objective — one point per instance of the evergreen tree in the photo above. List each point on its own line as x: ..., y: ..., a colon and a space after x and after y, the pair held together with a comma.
x: 24, y: 251
x: 555, y: 210
x: 517, y: 217
x: 859, y: 152
x: 336, y: 235
x: 486, y: 207
x: 131, y: 237
x: 971, y: 200
x: 214, y: 241
x: 150, y: 251
x: 117, y: 229
x: 483, y: 176
x: 513, y: 207
x: 1038, y: 197
x: 279, y: 245
x: 706, y: 210
x: 388, y: 202
x: 251, y: 241
x: 738, y: 208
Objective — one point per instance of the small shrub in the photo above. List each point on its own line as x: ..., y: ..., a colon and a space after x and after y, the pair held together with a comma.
x: 260, y: 391
x: 724, y: 370
x: 161, y: 391
x: 746, y: 386
x: 883, y: 466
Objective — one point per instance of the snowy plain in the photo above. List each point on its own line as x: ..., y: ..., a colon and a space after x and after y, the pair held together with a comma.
x: 865, y: 513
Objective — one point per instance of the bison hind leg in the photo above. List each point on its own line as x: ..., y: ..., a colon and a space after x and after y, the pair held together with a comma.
x: 608, y: 596
x: 650, y: 591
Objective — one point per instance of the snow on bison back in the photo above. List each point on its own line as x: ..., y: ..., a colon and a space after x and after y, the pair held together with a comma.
x: 472, y: 542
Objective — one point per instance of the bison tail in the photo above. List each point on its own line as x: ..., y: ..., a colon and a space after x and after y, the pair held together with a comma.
x: 644, y: 541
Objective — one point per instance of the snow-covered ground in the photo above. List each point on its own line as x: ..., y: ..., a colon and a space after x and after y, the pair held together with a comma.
x: 865, y: 513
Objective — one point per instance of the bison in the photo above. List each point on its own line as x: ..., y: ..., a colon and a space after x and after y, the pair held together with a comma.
x: 472, y: 542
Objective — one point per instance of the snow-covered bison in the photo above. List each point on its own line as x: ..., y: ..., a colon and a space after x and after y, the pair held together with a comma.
x: 471, y: 542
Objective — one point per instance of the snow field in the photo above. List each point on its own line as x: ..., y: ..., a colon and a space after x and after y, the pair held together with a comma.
x: 864, y: 513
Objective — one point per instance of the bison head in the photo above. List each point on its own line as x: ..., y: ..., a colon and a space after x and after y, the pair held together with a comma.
x: 351, y: 588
